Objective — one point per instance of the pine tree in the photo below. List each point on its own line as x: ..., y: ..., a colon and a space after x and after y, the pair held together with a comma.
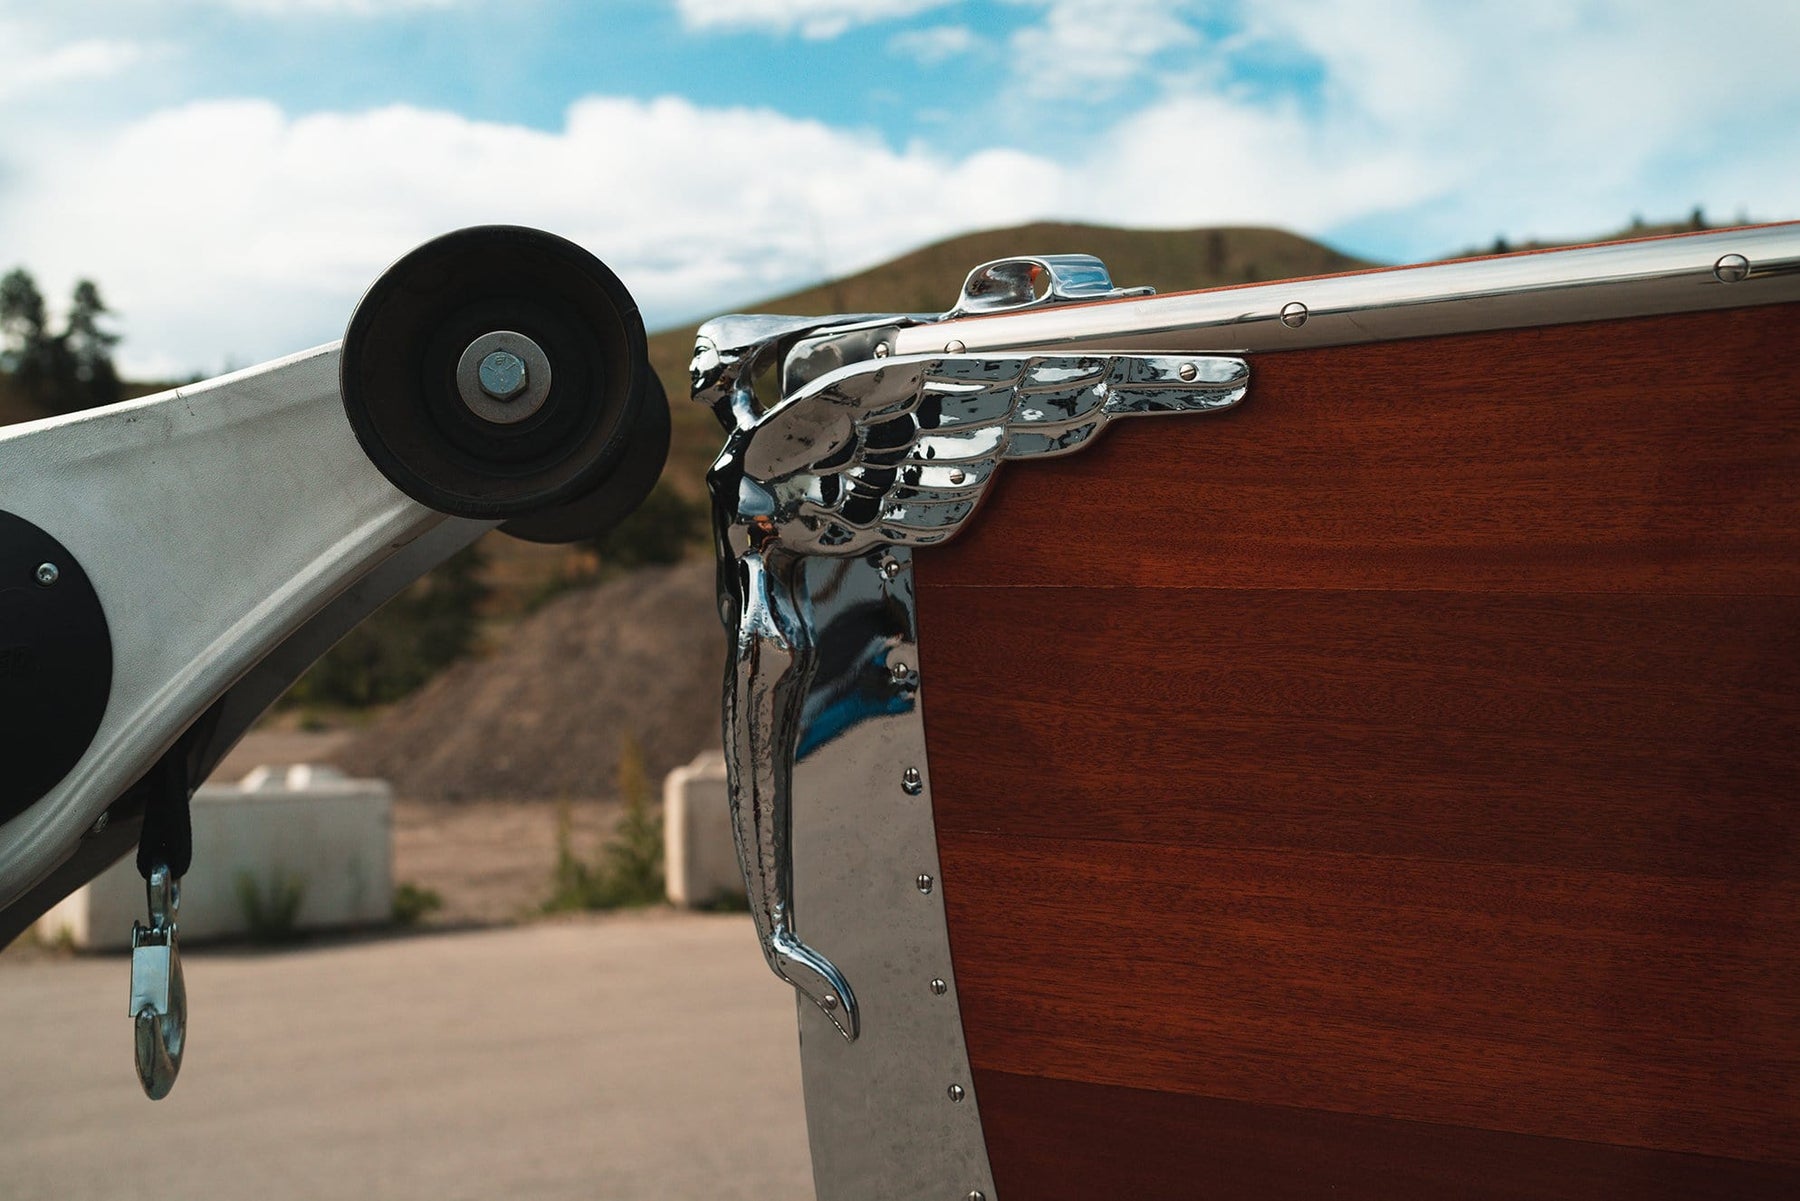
x: 57, y: 372
x: 21, y: 313
x: 28, y: 351
x: 96, y: 381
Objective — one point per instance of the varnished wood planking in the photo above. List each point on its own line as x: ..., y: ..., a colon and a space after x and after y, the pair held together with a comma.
x: 1375, y: 632
x: 1624, y: 732
x: 1168, y: 1147
x: 1648, y: 455
x: 1640, y: 1010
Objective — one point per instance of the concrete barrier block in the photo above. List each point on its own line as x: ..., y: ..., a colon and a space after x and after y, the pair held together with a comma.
x: 301, y: 828
x: 700, y: 864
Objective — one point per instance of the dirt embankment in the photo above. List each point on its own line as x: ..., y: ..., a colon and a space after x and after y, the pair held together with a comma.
x: 545, y: 714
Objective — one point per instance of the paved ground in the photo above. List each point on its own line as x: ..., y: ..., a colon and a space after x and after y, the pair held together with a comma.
x: 643, y: 1056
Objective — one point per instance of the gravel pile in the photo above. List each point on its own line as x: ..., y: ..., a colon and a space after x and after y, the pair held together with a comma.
x: 545, y: 714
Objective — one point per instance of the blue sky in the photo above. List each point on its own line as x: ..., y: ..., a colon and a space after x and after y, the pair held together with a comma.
x: 234, y: 172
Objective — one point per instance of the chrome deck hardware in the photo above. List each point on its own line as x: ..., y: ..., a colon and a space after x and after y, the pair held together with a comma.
x: 884, y: 450
x: 1007, y: 285
x: 158, y: 992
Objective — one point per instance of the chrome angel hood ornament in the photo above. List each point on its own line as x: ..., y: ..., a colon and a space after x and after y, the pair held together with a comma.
x: 886, y: 451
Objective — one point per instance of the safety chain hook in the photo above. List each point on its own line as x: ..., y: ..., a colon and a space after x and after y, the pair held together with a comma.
x: 158, y: 993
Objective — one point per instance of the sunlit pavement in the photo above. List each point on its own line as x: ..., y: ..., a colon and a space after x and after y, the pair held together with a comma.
x: 646, y: 1056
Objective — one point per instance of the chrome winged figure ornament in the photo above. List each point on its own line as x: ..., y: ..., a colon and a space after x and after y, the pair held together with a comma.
x: 883, y: 451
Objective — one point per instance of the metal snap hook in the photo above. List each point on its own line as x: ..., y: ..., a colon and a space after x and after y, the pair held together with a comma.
x: 158, y: 993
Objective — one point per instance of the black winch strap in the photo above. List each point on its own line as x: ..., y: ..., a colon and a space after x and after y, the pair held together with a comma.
x: 168, y: 835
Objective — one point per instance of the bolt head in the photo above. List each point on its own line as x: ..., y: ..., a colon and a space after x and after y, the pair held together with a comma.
x: 912, y: 781
x: 502, y: 374
x: 924, y: 883
x: 939, y: 988
x: 1731, y: 268
x: 954, y: 346
x: 1188, y: 372
x: 1293, y: 314
x: 829, y: 1001
x: 882, y: 350
x: 955, y: 1092
x: 900, y: 671
x: 975, y: 1194
x: 48, y: 574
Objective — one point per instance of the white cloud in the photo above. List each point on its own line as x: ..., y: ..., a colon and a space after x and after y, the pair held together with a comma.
x: 229, y: 229
x: 247, y: 233
x: 1084, y: 48
x: 1561, y: 117
x: 816, y: 19
x: 1205, y: 160
x: 233, y: 229
x: 935, y: 44
x: 34, y: 61
x: 94, y: 59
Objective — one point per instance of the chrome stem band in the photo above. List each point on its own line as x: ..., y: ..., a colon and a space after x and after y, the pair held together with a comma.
x: 1726, y: 269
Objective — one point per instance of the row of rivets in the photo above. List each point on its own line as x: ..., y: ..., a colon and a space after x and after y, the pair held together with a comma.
x: 912, y: 780
x: 914, y: 783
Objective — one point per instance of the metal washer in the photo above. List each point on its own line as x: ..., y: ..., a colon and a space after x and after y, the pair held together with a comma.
x: 517, y: 408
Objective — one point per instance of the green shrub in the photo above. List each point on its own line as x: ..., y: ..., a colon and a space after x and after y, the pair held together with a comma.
x: 272, y: 914
x: 629, y: 869
x: 403, y: 643
x: 659, y: 531
x: 411, y: 903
